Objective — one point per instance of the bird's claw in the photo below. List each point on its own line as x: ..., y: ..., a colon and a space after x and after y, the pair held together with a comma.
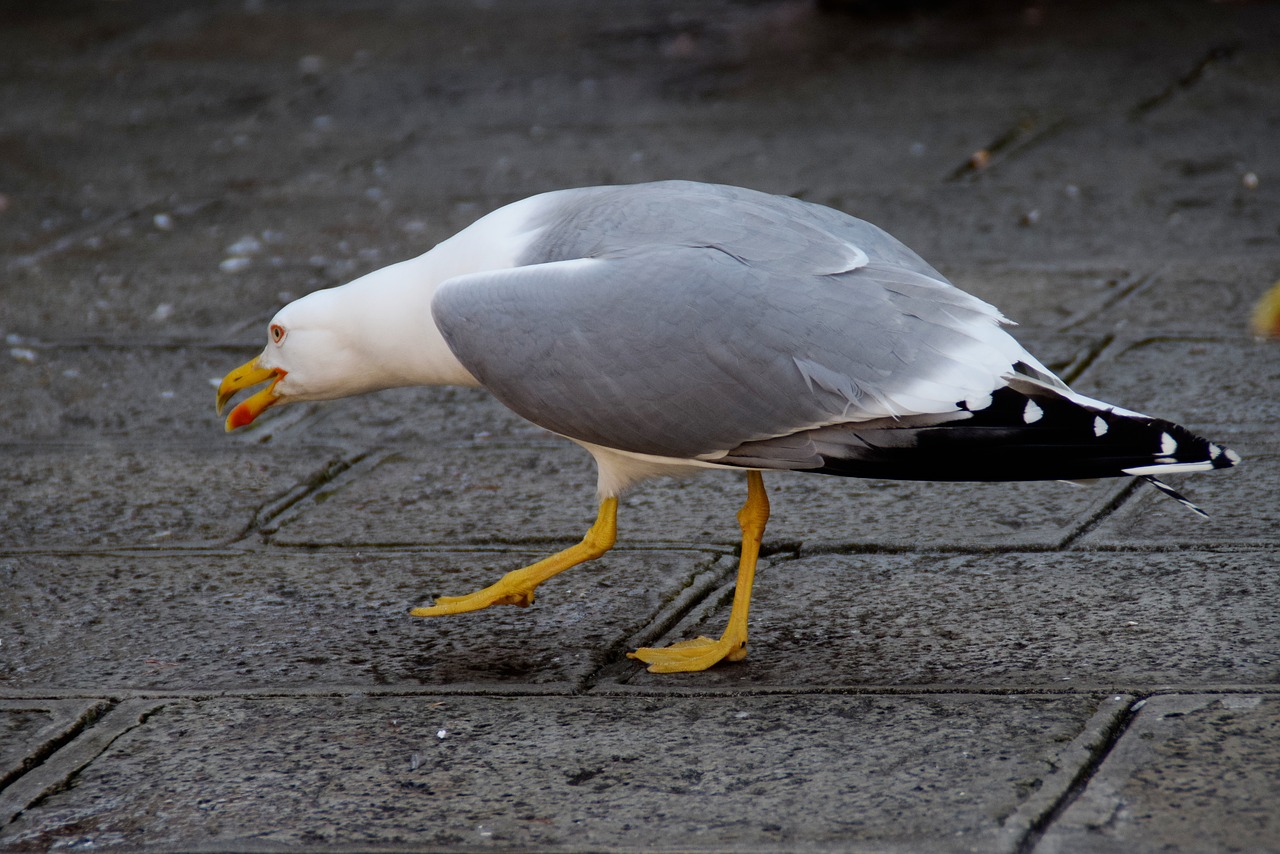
x: 689, y: 656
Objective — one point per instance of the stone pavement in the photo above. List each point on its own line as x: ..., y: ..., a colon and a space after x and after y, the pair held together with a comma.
x: 203, y: 638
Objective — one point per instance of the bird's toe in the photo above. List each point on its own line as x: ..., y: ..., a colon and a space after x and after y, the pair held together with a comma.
x: 690, y: 656
x: 481, y: 599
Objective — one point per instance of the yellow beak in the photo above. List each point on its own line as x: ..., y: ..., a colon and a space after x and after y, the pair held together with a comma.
x: 246, y: 376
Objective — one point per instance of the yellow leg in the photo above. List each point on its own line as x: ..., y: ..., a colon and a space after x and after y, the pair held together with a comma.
x: 701, y: 653
x: 516, y: 587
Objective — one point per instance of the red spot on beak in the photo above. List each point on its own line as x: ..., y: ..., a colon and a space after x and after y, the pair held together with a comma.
x: 240, y: 416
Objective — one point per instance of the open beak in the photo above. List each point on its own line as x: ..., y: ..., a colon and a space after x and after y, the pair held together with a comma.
x: 248, y: 375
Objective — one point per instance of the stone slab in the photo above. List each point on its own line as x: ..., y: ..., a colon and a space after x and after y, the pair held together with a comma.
x: 487, y: 492
x: 1152, y: 217
x: 165, y: 391
x: 93, y: 496
x: 1197, y: 299
x: 465, y: 493
x: 215, y: 272
x: 265, y: 620
x: 32, y: 729
x: 91, y: 393
x: 109, y: 720
x: 812, y: 513
x: 1071, y: 621
x: 1193, y: 772
x: 1156, y: 170
x: 448, y: 773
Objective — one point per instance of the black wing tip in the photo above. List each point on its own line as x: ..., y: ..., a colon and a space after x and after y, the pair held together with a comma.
x: 1023, y: 433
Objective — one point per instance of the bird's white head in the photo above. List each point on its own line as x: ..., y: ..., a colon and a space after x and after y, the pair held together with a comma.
x: 373, y: 333
x: 311, y: 354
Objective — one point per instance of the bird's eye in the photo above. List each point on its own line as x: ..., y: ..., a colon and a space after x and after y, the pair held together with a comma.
x: 277, y: 333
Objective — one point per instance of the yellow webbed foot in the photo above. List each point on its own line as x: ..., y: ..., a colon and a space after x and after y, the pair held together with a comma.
x: 690, y: 656
x: 504, y: 592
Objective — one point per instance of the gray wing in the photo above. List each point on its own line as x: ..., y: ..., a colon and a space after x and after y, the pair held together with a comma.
x: 703, y: 322
x: 693, y: 350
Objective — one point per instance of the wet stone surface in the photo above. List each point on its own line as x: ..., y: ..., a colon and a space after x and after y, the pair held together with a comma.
x: 177, y: 622
x: 107, y: 496
x: 1188, y: 764
x: 1068, y: 621
x: 501, y: 773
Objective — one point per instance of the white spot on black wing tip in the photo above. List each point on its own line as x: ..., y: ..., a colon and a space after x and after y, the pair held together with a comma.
x: 1231, y: 455
x: 1214, y: 452
x: 1032, y: 413
x: 1175, y: 495
x: 1168, y: 445
x: 1099, y: 426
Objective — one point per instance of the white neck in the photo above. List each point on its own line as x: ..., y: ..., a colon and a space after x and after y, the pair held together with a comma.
x: 398, y: 338
x: 384, y: 320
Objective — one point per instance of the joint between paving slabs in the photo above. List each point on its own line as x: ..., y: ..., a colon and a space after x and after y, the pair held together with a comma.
x: 1215, y: 55
x: 53, y: 738
x: 1113, y: 725
x: 1076, y: 369
x: 1122, y: 496
x: 1128, y: 287
x: 279, y: 511
x: 1013, y: 142
x: 1031, y: 130
x: 697, y: 597
x: 60, y: 766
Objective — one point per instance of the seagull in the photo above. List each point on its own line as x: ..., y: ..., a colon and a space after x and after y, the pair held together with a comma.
x: 675, y: 328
